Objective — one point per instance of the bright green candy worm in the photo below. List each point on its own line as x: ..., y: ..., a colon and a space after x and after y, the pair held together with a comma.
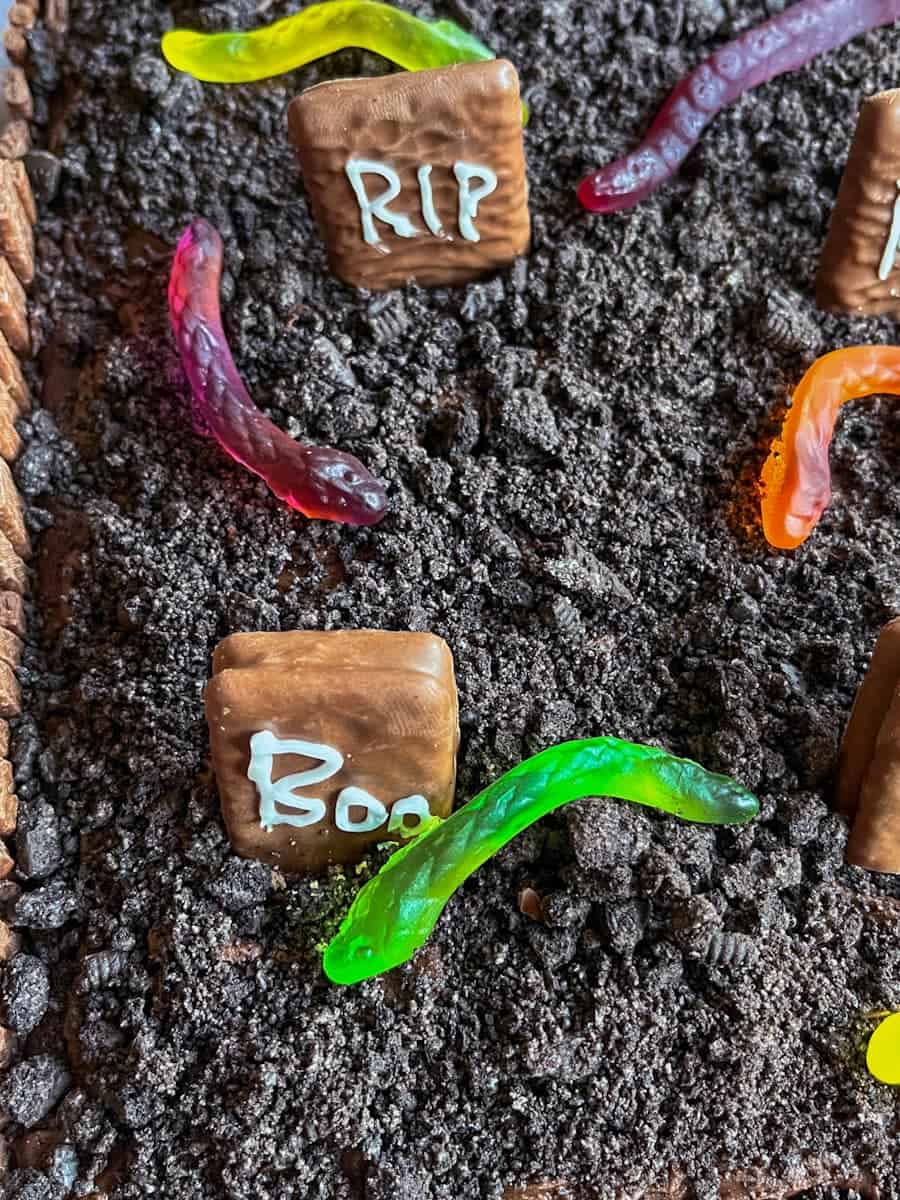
x: 318, y: 30
x: 396, y: 911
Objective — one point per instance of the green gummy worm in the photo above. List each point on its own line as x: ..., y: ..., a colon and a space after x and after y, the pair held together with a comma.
x: 394, y: 913
x: 318, y: 30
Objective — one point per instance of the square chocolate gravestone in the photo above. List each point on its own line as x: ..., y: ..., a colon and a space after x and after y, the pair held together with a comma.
x: 418, y: 176
x: 323, y: 743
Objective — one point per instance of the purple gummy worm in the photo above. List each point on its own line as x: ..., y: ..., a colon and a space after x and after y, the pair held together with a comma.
x: 782, y: 44
x: 315, y: 480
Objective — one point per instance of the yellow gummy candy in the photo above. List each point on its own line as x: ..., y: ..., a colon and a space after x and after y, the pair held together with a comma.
x: 317, y: 30
x: 883, y: 1054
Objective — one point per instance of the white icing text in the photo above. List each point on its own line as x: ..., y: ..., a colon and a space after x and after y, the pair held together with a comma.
x: 890, y: 251
x: 375, y: 208
x: 309, y: 810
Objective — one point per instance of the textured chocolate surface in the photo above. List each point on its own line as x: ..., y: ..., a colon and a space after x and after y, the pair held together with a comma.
x: 386, y: 702
x: 870, y: 708
x: 12, y: 613
x: 12, y: 521
x: 11, y: 375
x: 13, y: 310
x: 875, y: 839
x: 13, y: 575
x: 10, y: 442
x: 848, y: 278
x: 16, y: 234
x: 869, y: 765
x: 466, y: 114
x: 10, y: 693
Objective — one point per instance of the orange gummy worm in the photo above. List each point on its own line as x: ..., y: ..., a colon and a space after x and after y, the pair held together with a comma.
x: 796, y: 478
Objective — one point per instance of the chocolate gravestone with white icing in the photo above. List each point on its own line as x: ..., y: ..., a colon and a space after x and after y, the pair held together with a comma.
x: 860, y: 267
x: 417, y: 176
x: 323, y: 743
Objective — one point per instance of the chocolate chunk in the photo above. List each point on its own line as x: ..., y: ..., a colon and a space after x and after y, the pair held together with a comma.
x: 38, y: 844
x: 875, y: 838
x: 30, y: 1184
x: 33, y: 1088
x: 240, y: 885
x: 316, y: 737
x: 870, y: 708
x: 859, y: 271
x: 25, y: 993
x: 416, y: 176
x: 868, y: 790
x: 47, y: 907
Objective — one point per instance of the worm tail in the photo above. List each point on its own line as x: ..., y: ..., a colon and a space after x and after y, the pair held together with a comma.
x: 782, y: 44
x: 316, y: 480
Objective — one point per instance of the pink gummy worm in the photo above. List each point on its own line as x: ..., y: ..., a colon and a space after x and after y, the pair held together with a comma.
x: 782, y: 44
x: 315, y: 480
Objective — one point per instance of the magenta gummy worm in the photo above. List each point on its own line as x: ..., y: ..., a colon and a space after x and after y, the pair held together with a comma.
x: 315, y: 480
x: 782, y: 44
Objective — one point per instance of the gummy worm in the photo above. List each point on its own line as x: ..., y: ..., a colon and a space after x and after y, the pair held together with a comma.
x: 315, y: 480
x: 782, y: 44
x: 395, y: 912
x: 316, y: 31
x: 796, y: 479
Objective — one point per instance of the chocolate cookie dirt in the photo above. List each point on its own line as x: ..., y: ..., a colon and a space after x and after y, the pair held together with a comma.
x: 570, y: 451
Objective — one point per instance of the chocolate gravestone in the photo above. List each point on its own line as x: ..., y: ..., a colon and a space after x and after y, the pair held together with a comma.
x: 417, y: 176
x: 859, y: 270
x: 323, y: 743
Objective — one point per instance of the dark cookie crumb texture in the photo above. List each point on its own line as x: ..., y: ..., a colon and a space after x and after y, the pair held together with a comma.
x: 571, y: 452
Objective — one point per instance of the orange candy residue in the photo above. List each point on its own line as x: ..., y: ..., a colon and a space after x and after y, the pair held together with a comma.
x: 796, y: 478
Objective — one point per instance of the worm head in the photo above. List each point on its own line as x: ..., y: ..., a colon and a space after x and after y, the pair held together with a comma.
x: 383, y: 929
x: 365, y: 948
x: 808, y: 488
x: 342, y: 485
x: 354, y: 955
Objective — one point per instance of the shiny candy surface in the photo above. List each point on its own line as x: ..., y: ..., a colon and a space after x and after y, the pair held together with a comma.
x: 393, y: 915
x: 782, y: 44
x: 315, y: 480
x: 883, y: 1053
x: 317, y: 30
x: 796, y: 477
